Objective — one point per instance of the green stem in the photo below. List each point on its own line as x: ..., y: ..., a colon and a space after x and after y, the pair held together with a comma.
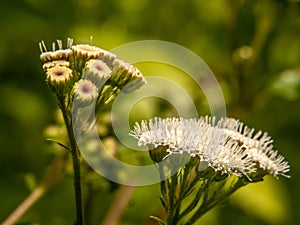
x: 174, y: 190
x: 214, y: 200
x: 172, y: 199
x: 75, y: 160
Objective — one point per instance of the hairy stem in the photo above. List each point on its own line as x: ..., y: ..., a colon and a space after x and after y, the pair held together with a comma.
x: 75, y: 160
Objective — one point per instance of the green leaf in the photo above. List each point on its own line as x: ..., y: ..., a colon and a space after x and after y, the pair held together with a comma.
x: 59, y: 143
x: 158, y: 220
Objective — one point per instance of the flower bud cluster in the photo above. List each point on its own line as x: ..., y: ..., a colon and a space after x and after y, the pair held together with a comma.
x: 84, y: 70
x: 59, y: 76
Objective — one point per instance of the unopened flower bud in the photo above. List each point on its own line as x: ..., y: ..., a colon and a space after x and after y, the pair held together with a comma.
x: 107, y: 57
x: 126, y: 76
x: 85, y: 52
x: 135, y: 84
x: 85, y: 93
x: 54, y: 55
x: 97, y: 72
x: 51, y: 64
x: 60, y: 79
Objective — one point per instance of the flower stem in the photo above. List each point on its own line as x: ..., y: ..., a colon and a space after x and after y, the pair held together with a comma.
x: 75, y: 160
x: 216, y: 199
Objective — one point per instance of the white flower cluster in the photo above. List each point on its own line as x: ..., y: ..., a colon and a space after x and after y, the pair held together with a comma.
x: 228, y: 146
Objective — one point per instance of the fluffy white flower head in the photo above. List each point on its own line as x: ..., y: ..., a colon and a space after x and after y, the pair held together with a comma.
x: 227, y: 146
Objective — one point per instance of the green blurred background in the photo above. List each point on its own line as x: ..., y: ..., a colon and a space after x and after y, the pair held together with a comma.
x: 252, y: 46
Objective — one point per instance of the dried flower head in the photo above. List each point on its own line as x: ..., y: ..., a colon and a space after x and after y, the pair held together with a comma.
x: 97, y: 72
x: 85, y: 92
x: 56, y: 54
x: 60, y: 79
x: 228, y: 146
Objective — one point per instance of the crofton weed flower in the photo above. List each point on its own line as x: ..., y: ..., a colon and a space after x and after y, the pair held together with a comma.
x: 258, y: 146
x: 81, y: 78
x: 228, y: 145
x: 83, y: 61
x: 223, y: 155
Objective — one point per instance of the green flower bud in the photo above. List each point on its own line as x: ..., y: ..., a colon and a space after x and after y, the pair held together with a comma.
x: 125, y: 75
x: 135, y: 84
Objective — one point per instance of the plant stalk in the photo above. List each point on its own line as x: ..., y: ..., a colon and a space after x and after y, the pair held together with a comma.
x: 76, y: 163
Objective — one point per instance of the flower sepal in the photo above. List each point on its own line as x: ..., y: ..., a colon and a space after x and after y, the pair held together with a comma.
x: 157, y: 154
